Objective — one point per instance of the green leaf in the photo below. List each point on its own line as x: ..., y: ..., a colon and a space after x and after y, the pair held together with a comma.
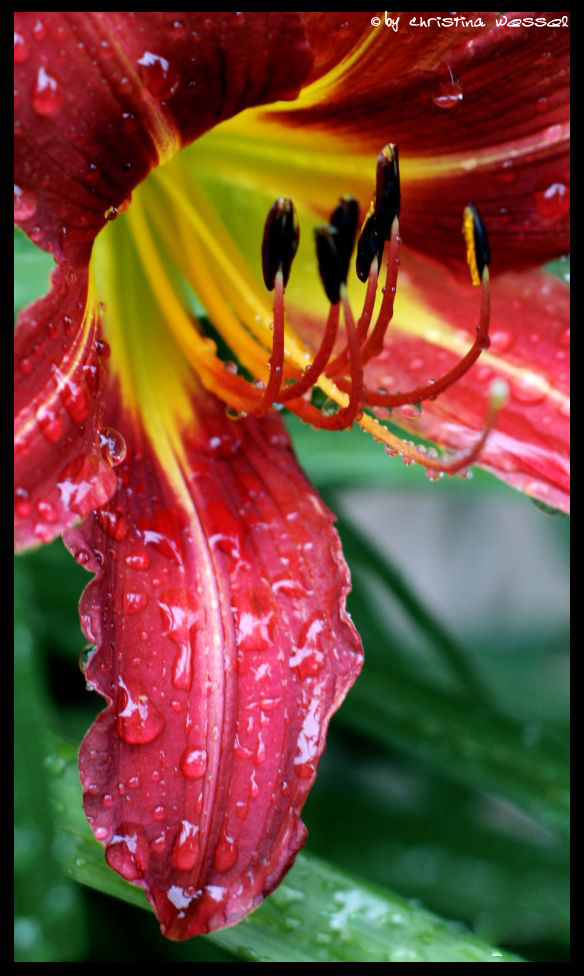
x: 49, y: 923
x: 319, y: 913
x: 32, y: 268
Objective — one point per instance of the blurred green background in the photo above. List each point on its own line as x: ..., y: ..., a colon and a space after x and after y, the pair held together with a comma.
x: 444, y: 784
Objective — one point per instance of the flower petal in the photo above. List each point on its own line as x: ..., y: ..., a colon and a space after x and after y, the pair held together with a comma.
x: 103, y: 97
x: 222, y: 649
x: 60, y: 472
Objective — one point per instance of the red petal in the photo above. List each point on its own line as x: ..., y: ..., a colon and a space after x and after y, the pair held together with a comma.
x: 504, y: 144
x: 60, y: 472
x: 101, y: 96
x: 223, y: 648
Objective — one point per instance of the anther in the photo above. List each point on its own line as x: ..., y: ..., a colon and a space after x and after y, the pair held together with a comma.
x: 344, y: 219
x: 329, y: 262
x: 387, y: 192
x: 477, y: 244
x: 280, y: 242
x: 368, y: 246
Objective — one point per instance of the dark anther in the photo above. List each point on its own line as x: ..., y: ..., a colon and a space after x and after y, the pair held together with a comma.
x: 329, y: 264
x: 344, y: 220
x: 481, y: 241
x: 280, y: 242
x: 368, y: 247
x: 387, y: 191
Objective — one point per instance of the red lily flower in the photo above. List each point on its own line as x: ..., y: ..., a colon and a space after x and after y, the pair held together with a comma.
x: 222, y: 645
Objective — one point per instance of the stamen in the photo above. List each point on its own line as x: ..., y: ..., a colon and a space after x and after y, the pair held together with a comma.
x: 476, y: 256
x: 345, y: 417
x: 477, y: 243
x: 344, y: 219
x: 277, y: 358
x: 280, y: 241
x: 498, y: 396
x: 387, y: 191
x: 339, y: 363
x: 329, y: 264
x: 374, y: 344
x: 330, y: 269
x: 368, y: 246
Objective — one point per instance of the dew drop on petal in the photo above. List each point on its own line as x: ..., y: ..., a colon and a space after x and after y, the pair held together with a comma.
x: 185, y: 851
x: 138, y: 721
x: 552, y: 198
x: 113, y: 524
x: 138, y: 560
x: 501, y: 340
x: 113, y: 445
x: 529, y: 389
x: 128, y: 853
x: 507, y: 173
x: 21, y: 48
x: 47, y: 97
x: 194, y: 763
x: 448, y: 95
x: 156, y: 73
x: 225, y: 854
x: 24, y: 204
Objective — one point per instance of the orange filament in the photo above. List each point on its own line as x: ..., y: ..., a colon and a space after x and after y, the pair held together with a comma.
x: 340, y: 362
x: 347, y: 415
x: 277, y: 357
x: 374, y: 343
x: 432, y: 389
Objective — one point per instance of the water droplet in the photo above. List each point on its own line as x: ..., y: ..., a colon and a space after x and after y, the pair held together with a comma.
x: 138, y: 560
x: 138, y: 721
x: 159, y: 812
x: 47, y: 98
x: 530, y: 389
x: 308, y: 657
x: 448, y: 95
x: 76, y: 399
x: 158, y: 845
x: 225, y: 854
x: 552, y: 198
x: 564, y: 409
x: 85, y: 483
x: 112, y: 523
x: 51, y: 424
x: 39, y: 31
x: 194, y: 763
x: 113, y: 445
x: 501, y: 340
x: 134, y: 602
x: 182, y: 668
x: 46, y: 510
x: 21, y: 48
x: 128, y: 852
x: 156, y: 74
x: 22, y: 506
x: 185, y: 851
x: 24, y: 204
x: 507, y: 173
